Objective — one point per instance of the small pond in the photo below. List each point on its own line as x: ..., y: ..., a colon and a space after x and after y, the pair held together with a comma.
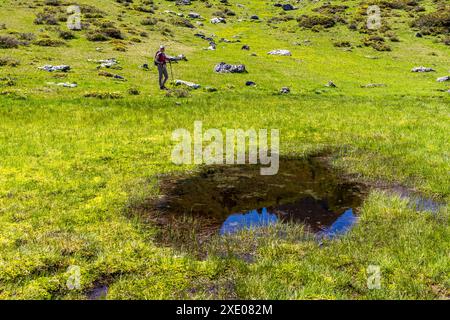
x: 227, y: 199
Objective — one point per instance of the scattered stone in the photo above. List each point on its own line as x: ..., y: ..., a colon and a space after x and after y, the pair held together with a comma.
x: 229, y: 41
x: 180, y: 57
x: 285, y: 90
x: 229, y: 68
x: 245, y: 47
x: 194, y: 15
x: 250, y: 84
x: 443, y: 79
x: 110, y: 75
x: 50, y: 68
x: 187, y: 83
x: 67, y: 84
x: 217, y: 20
x: 106, y: 63
x: 331, y: 84
x: 254, y: 17
x: 373, y: 85
x: 287, y: 7
x: 64, y: 84
x: 280, y: 52
x: 418, y: 35
x: 210, y: 89
x: 422, y: 69
x: 184, y: 2
x: 145, y: 66
x: 200, y: 35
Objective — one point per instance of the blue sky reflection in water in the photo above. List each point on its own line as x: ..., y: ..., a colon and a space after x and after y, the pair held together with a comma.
x: 226, y: 199
x: 261, y: 218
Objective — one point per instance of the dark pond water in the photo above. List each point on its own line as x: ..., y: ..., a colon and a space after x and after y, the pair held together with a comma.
x: 98, y: 293
x: 226, y: 199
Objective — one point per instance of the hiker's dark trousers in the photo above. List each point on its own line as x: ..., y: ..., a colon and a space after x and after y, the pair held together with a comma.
x: 163, y: 75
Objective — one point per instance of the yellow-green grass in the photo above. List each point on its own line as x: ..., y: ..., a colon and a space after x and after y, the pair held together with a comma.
x: 72, y: 167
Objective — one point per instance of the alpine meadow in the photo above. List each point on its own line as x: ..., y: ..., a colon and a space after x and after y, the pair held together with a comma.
x: 93, y: 206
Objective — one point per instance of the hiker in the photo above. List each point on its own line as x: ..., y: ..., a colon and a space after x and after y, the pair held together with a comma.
x: 160, y: 61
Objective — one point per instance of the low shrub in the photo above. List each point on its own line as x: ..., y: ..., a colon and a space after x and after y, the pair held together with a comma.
x: 26, y: 36
x: 54, y: 3
x: 91, y: 12
x: 178, y: 93
x: 181, y: 22
x: 66, y: 35
x: 46, y: 18
x: 281, y: 18
x: 8, y: 61
x: 104, y: 34
x: 134, y: 91
x: 309, y: 22
x: 96, y: 36
x: 48, y: 42
x: 376, y: 42
x: 342, y: 44
x: 7, y: 82
x: 8, y: 42
x: 103, y: 95
x: 112, y: 32
x: 149, y: 21
x: 330, y: 9
x: 434, y: 23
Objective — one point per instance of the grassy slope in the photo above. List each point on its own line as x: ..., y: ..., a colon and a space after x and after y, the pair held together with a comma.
x: 71, y: 167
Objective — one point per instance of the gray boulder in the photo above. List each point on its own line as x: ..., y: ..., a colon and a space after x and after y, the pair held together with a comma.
x: 194, y: 15
x: 443, y: 79
x: 217, y: 20
x: 187, y: 83
x: 50, y: 68
x: 280, y: 52
x: 422, y: 69
x: 229, y: 68
x: 288, y: 7
x: 331, y: 84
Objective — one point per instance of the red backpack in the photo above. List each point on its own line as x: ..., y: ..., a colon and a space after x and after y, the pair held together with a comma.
x: 156, y: 61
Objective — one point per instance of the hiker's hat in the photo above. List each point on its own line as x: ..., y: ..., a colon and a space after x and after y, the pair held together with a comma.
x: 162, y: 46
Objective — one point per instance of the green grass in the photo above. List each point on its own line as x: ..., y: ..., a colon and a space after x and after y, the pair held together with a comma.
x: 71, y: 167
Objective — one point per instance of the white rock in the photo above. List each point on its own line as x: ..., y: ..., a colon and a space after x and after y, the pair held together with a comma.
x: 280, y: 52
x: 443, y: 79
x: 217, y: 20
x: 187, y: 83
x: 422, y: 69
